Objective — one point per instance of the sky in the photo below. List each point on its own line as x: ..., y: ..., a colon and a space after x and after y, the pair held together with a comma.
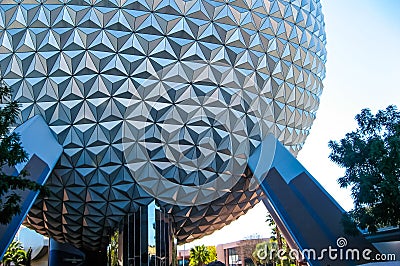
x: 362, y: 71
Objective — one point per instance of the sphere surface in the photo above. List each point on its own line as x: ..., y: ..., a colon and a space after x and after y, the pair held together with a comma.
x: 142, y: 91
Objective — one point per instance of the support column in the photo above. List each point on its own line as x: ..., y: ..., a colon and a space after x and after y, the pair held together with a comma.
x: 163, y: 238
x: 64, y: 254
x: 146, y: 238
x: 133, y: 240
x: 307, y: 215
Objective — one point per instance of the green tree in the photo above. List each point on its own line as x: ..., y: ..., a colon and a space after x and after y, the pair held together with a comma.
x: 248, y: 247
x: 28, y: 257
x: 269, y: 253
x: 260, y: 254
x: 199, y: 255
x: 277, y: 242
x: 212, y: 254
x: 112, y: 251
x: 371, y: 158
x: 11, y: 154
x: 16, y: 254
x: 276, y: 233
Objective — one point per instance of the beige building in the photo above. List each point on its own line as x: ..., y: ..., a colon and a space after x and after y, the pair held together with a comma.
x: 239, y: 252
x: 183, y: 257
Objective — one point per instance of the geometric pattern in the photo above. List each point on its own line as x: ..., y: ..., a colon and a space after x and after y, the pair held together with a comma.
x: 188, y: 67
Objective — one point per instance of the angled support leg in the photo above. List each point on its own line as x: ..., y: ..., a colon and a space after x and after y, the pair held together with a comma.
x: 307, y: 215
x: 44, y: 151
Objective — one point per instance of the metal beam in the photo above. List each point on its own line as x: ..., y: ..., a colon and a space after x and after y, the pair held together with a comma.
x: 307, y: 215
x: 43, y: 153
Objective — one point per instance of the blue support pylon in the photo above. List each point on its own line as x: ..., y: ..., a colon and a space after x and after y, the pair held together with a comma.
x: 307, y: 215
x: 43, y: 153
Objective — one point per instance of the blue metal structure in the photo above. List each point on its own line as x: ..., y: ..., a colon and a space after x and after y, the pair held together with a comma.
x: 168, y: 92
x: 43, y: 153
x: 308, y: 216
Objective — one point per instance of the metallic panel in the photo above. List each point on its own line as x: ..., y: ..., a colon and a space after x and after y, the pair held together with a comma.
x: 198, y: 65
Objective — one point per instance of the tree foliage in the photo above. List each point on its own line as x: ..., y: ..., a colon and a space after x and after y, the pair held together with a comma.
x: 261, y: 254
x: 202, y: 255
x: 248, y: 247
x: 371, y: 158
x: 277, y: 242
x: 269, y: 253
x: 16, y: 255
x: 276, y: 233
x: 11, y: 154
x: 212, y: 254
x: 112, y: 251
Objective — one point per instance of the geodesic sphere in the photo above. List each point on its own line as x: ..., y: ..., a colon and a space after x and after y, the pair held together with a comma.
x: 175, y: 93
